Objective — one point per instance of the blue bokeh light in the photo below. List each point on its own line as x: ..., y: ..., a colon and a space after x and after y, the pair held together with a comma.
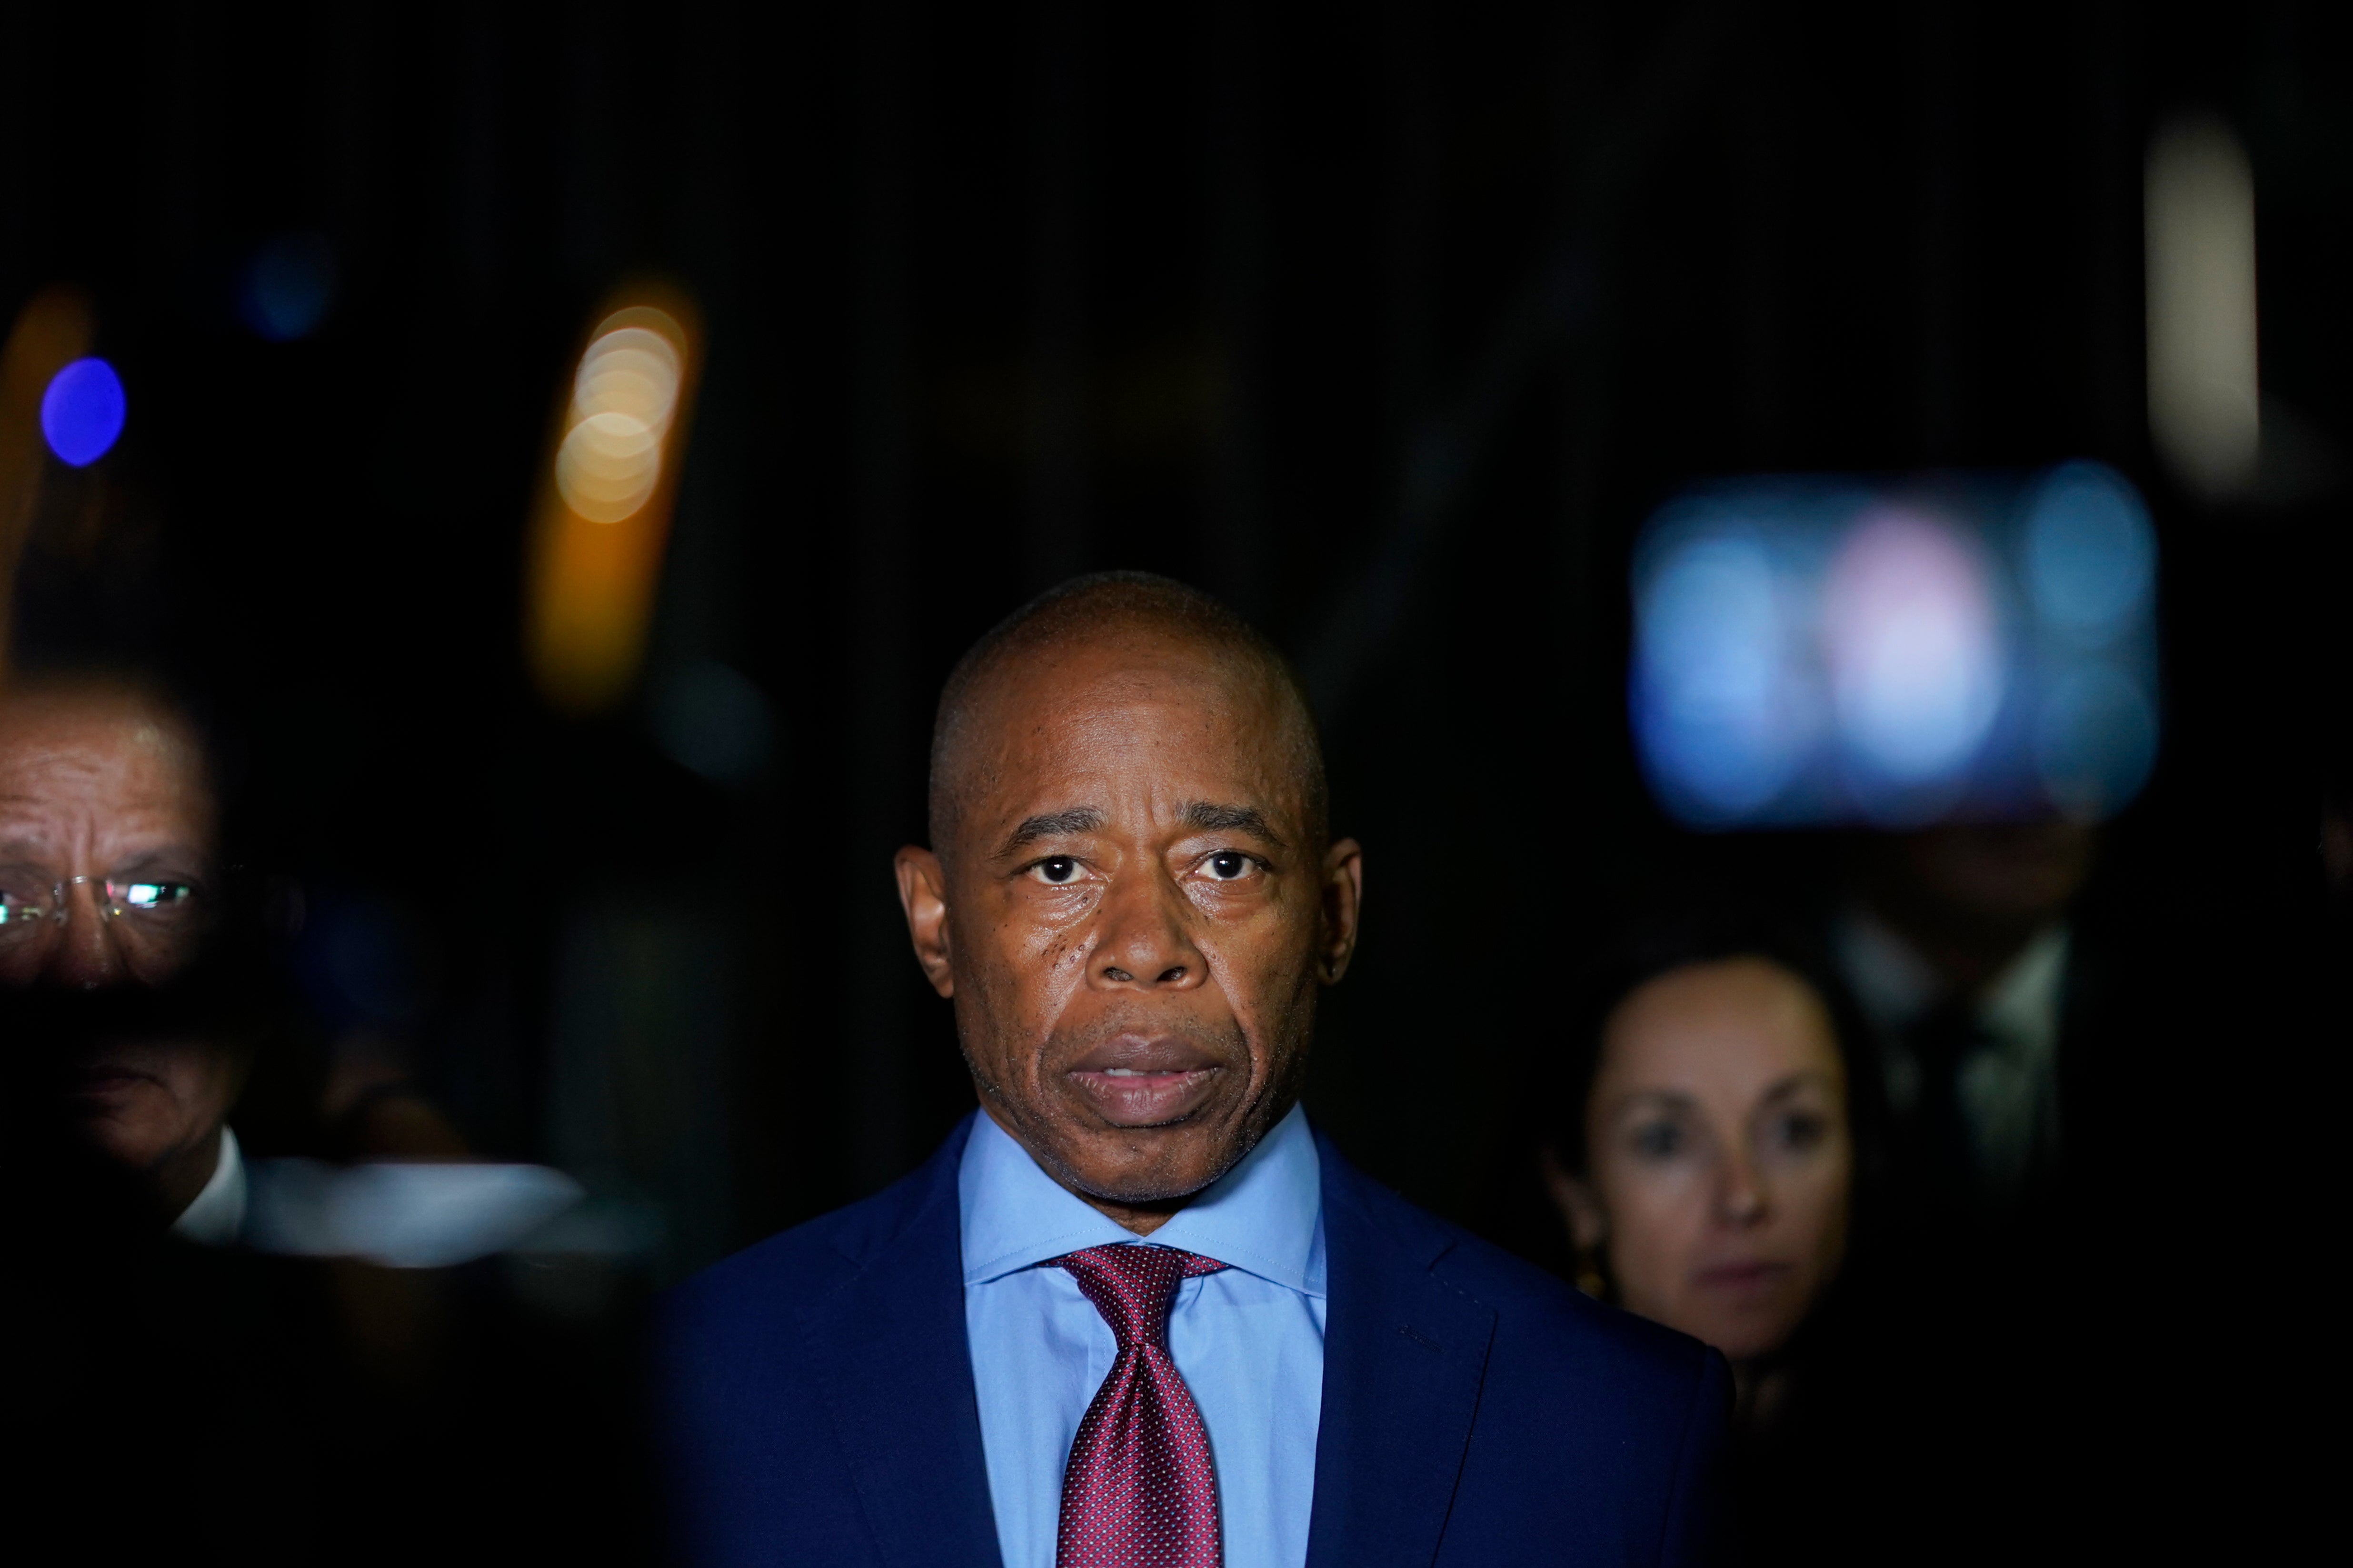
x: 82, y: 411
x: 1816, y: 649
x: 714, y: 721
x: 288, y: 287
x: 1710, y: 694
x: 2095, y: 739
x: 2091, y: 557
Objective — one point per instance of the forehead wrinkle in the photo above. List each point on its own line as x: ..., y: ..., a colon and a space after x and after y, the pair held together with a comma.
x: 49, y: 755
x: 83, y: 779
x: 1189, y: 761
x: 1142, y: 654
x: 20, y: 847
x: 1030, y: 700
x: 103, y: 761
x: 49, y: 726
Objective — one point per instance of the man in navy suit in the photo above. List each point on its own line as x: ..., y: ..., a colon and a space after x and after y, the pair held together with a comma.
x: 1135, y: 1312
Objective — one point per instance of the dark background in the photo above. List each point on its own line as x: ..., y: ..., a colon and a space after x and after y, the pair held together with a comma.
x: 1389, y: 323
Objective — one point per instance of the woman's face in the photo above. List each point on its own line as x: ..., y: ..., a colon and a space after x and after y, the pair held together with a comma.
x: 1721, y: 1166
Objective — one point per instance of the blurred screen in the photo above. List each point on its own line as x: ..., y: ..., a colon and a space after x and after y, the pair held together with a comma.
x: 1815, y: 650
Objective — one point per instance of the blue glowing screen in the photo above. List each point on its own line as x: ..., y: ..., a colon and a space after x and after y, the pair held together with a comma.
x: 81, y: 413
x: 1813, y: 650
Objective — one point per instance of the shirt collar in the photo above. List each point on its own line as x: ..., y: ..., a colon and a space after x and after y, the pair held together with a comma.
x: 1896, y: 986
x: 217, y: 1216
x: 1263, y: 1217
x: 2020, y: 1008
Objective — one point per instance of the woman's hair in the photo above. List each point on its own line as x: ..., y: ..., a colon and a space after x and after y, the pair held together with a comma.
x: 1714, y: 934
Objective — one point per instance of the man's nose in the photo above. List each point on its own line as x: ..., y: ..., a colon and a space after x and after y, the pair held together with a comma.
x: 1143, y: 940
x: 85, y: 957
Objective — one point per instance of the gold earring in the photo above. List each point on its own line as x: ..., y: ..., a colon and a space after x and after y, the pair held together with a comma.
x: 1589, y: 1277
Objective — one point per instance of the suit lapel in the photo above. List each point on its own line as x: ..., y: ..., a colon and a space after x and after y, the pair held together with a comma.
x: 1404, y: 1356
x: 890, y: 1352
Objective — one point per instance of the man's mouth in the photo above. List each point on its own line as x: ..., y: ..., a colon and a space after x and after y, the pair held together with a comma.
x: 105, y: 1078
x: 1133, y: 1081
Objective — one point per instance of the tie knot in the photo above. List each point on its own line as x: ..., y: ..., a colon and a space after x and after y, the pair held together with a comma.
x: 1134, y: 1285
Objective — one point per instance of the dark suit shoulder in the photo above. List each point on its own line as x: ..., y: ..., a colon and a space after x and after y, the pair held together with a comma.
x: 1584, y: 1434
x: 1518, y: 1289
x: 806, y: 1260
x: 1522, y: 1294
x: 814, y: 1394
x: 794, y: 1261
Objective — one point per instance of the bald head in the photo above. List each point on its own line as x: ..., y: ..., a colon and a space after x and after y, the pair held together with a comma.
x: 1132, y: 897
x: 1152, y: 616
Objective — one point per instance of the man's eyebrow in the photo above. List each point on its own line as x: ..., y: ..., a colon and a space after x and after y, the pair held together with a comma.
x: 1205, y: 816
x: 1051, y: 825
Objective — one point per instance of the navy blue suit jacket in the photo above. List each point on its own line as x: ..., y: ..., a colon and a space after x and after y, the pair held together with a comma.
x: 817, y: 1400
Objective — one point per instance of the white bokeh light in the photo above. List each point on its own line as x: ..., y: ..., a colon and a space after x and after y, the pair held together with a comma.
x: 610, y: 459
x: 1911, y: 646
x: 2205, y: 411
x: 1829, y: 649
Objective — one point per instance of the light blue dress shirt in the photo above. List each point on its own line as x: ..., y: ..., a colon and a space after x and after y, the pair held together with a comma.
x: 1248, y: 1341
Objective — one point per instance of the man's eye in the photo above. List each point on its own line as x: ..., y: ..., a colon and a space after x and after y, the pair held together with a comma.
x: 1056, y: 869
x: 154, y: 894
x: 1227, y: 864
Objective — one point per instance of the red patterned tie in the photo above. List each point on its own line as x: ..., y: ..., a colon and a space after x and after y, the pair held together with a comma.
x: 1138, y: 1491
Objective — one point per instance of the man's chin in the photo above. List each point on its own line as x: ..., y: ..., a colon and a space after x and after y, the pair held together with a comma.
x: 1166, y: 1195
x: 125, y: 1131
x: 1148, y: 1166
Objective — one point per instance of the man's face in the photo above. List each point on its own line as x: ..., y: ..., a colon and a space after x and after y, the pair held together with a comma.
x: 98, y: 785
x: 2000, y: 874
x: 1132, y: 919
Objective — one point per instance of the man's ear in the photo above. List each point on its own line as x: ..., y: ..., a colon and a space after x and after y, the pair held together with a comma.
x: 1344, y: 902
x: 924, y: 895
x: 1579, y: 1204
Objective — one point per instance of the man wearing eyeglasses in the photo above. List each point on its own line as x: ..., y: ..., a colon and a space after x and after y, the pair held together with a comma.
x: 107, y: 847
x: 191, y: 1402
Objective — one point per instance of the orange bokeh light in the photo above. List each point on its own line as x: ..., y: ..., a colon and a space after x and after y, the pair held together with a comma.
x: 602, y: 517
x: 55, y: 327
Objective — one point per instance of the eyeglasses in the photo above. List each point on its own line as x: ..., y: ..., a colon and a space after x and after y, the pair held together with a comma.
x: 155, y: 914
